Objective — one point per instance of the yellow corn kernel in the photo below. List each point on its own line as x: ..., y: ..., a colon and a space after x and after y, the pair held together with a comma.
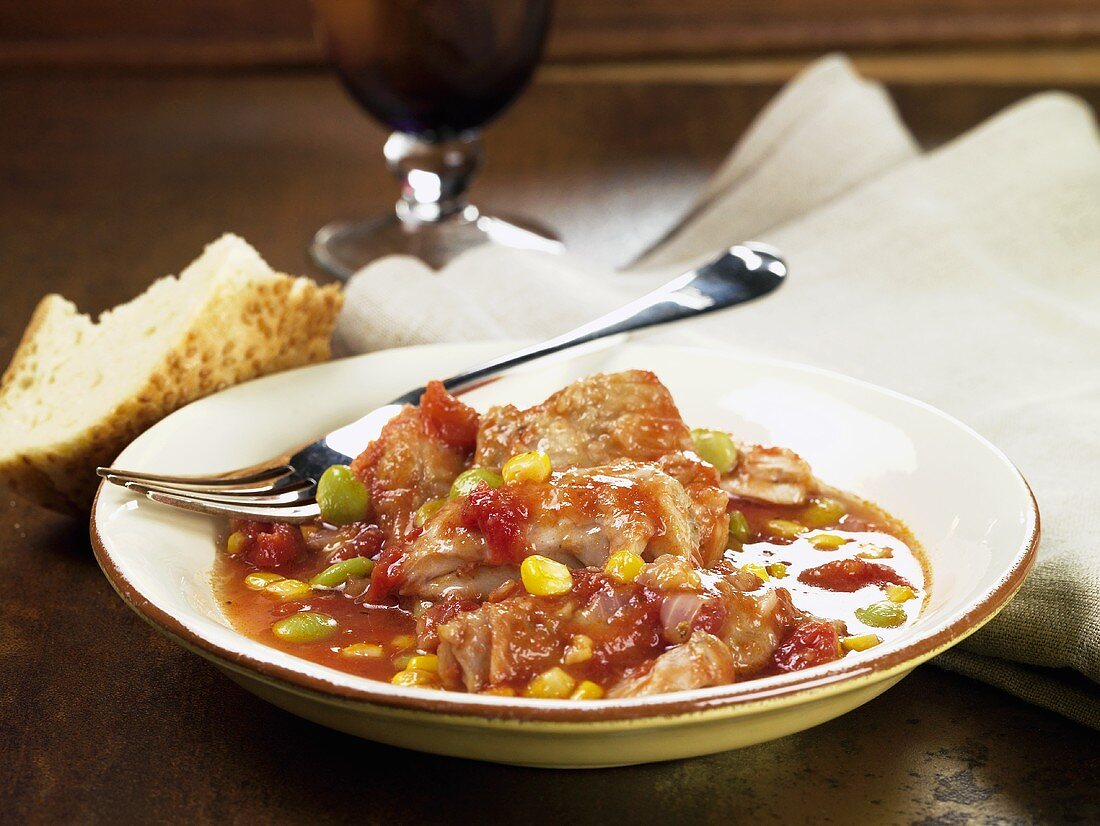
x: 624, y: 566
x: 362, y: 649
x: 533, y: 466
x: 258, y: 580
x: 544, y: 577
x: 401, y: 661
x: 287, y: 589
x: 784, y: 528
x: 776, y: 569
x: 828, y: 541
x: 899, y: 593
x: 579, y: 650
x: 499, y: 691
x: 759, y: 570
x: 554, y: 684
x: 235, y: 544
x: 424, y: 662
x: 875, y: 552
x: 587, y: 690
x: 428, y: 510
x: 402, y: 641
x: 861, y: 642
x: 408, y: 677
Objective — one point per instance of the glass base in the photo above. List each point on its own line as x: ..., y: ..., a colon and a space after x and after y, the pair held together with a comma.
x: 342, y: 248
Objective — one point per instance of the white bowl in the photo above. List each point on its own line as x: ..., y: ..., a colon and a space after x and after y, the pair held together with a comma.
x: 962, y: 498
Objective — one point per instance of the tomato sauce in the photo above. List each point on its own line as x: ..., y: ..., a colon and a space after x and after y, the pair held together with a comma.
x: 830, y: 572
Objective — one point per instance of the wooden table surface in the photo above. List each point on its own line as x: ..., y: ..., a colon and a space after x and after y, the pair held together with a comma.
x: 109, y: 181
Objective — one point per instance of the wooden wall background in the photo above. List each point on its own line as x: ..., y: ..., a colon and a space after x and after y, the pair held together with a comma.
x: 1010, y: 39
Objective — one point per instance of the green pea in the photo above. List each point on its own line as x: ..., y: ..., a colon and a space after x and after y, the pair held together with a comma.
x: 882, y: 615
x: 340, y: 572
x: 468, y: 480
x: 821, y: 513
x: 309, y: 626
x: 343, y: 499
x: 716, y: 448
x: 740, y: 532
x: 428, y: 510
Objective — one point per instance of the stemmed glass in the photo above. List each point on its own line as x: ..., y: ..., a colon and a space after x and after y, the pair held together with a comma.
x: 434, y: 71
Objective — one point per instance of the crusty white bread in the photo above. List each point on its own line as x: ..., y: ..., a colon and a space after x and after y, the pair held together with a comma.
x: 77, y: 391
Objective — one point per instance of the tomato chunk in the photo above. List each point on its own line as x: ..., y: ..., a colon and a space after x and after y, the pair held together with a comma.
x: 448, y: 419
x: 500, y: 515
x: 812, y: 642
x: 849, y: 575
x: 270, y: 544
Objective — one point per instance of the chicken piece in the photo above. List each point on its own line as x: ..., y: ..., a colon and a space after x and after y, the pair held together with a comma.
x: 701, y: 481
x: 580, y: 517
x: 755, y: 625
x: 704, y: 660
x: 416, y: 457
x: 500, y: 643
x: 770, y: 474
x: 600, y: 419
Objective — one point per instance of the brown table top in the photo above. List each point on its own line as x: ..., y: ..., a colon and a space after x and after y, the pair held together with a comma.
x: 110, y: 181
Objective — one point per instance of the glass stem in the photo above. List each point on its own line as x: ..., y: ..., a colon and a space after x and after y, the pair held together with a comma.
x: 434, y: 174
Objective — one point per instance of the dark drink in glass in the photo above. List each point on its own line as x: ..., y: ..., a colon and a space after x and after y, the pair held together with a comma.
x: 434, y: 71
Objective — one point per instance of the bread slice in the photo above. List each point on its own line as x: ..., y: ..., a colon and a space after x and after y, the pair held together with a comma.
x: 77, y: 391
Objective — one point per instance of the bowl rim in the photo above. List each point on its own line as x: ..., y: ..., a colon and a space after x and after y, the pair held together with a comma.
x: 731, y: 699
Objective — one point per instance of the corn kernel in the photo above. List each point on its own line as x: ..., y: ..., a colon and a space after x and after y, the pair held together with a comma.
x: 624, y: 566
x: 554, y: 684
x: 899, y: 593
x: 784, y: 528
x: 362, y: 649
x: 587, y: 690
x: 759, y: 570
x: 875, y: 552
x: 235, y: 544
x: 860, y: 642
x: 401, y: 661
x: 258, y: 580
x: 533, y: 466
x: 424, y: 662
x: 499, y: 691
x: 777, y: 570
x: 579, y: 650
x: 544, y: 577
x: 287, y: 589
x: 828, y: 541
x: 409, y: 677
x: 402, y: 641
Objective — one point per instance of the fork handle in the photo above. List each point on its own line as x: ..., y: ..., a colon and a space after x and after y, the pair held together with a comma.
x: 742, y: 273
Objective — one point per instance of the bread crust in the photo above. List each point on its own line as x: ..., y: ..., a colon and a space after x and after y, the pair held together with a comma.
x: 240, y: 333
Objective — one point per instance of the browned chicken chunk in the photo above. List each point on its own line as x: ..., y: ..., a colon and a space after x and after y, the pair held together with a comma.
x: 580, y: 517
x: 601, y: 419
x: 770, y: 474
x: 702, y: 661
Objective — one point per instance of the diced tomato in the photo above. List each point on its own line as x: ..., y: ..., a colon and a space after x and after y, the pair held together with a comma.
x: 849, y: 575
x: 270, y: 545
x: 500, y: 515
x: 386, y: 575
x: 448, y: 419
x: 813, y: 642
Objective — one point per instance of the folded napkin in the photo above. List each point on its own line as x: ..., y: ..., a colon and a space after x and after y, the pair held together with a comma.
x: 968, y: 277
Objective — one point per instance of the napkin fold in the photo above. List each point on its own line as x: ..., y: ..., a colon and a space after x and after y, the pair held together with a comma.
x: 968, y: 277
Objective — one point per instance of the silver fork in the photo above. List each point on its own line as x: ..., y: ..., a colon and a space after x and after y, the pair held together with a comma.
x: 284, y: 488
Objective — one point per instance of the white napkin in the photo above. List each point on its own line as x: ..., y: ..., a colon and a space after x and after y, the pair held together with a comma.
x: 968, y: 277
